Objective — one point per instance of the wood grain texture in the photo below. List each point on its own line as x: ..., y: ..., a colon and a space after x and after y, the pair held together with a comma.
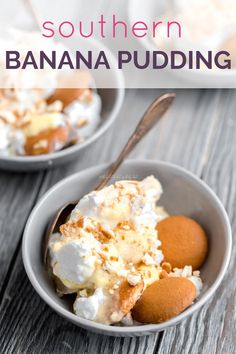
x: 212, y: 329
x: 198, y: 133
x: 18, y: 193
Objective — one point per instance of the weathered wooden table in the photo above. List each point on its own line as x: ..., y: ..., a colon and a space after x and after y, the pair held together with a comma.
x: 199, y: 133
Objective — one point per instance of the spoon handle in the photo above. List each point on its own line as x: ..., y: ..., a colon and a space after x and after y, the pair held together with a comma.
x: 154, y: 113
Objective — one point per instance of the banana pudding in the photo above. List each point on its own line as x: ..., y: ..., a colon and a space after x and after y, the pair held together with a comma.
x: 108, y: 253
x: 32, y: 125
x: 43, y: 112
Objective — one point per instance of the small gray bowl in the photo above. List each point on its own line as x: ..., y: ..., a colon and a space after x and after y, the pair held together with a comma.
x: 183, y: 194
x: 112, y: 99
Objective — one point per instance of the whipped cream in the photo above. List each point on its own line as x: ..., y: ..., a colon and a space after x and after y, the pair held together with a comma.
x: 140, y: 208
x: 73, y: 262
x: 83, y: 110
x: 88, y: 307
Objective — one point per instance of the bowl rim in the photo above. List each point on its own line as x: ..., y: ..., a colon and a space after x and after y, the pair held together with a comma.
x: 120, y: 89
x: 130, y: 330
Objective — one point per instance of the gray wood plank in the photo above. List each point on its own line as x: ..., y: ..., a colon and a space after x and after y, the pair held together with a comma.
x: 18, y: 193
x: 212, y: 330
x: 184, y: 137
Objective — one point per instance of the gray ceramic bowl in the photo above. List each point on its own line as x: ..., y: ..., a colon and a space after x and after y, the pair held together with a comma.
x: 112, y: 99
x: 183, y: 194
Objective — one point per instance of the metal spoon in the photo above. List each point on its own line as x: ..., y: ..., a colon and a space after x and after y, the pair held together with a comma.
x: 152, y: 115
